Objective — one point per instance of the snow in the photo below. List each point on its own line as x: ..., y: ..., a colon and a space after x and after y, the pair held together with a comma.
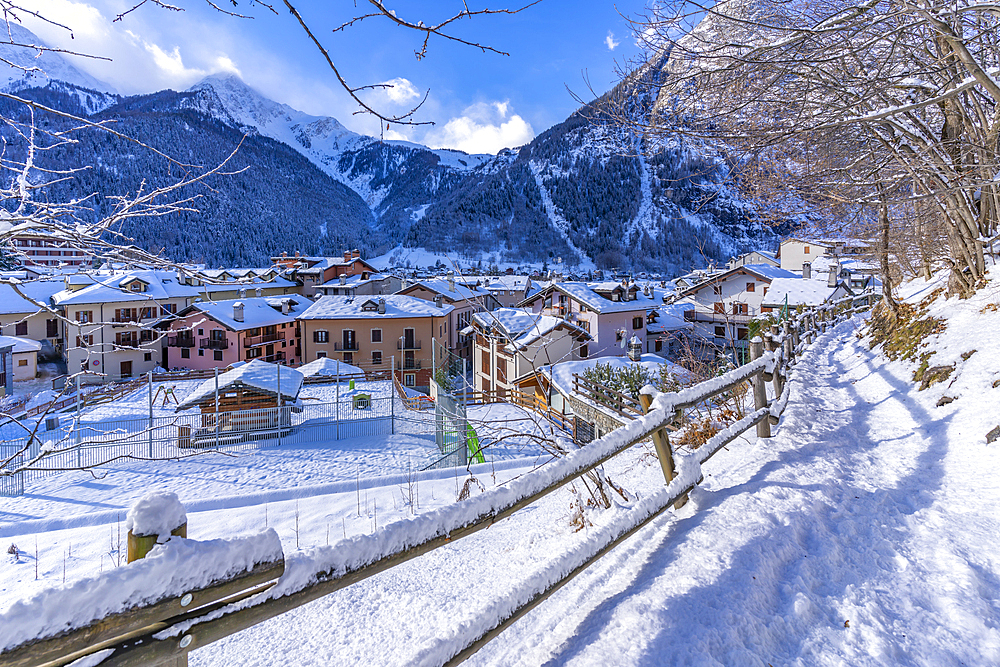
x: 257, y: 374
x: 334, y: 307
x: 325, y: 366
x: 157, y: 513
x: 862, y: 533
x: 20, y: 345
x: 257, y: 312
x: 169, y: 570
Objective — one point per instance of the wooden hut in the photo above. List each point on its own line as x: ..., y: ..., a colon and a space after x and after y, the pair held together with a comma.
x: 251, y: 401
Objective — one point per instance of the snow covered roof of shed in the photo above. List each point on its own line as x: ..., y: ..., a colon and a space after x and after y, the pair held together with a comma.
x: 257, y: 375
x: 158, y: 285
x: 20, y: 345
x: 352, y: 307
x: 325, y: 366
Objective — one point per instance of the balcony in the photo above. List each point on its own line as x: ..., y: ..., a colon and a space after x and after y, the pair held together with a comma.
x: 411, y: 365
x: 180, y: 341
x: 720, y: 318
x: 407, y: 344
x: 276, y: 357
x: 213, y: 344
x: 350, y: 346
x: 251, y: 341
x: 127, y: 342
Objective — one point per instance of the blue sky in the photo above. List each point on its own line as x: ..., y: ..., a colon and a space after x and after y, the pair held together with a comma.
x: 480, y: 102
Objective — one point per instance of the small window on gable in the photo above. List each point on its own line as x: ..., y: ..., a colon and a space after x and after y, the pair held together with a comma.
x: 751, y: 287
x: 805, y: 250
x: 717, y: 289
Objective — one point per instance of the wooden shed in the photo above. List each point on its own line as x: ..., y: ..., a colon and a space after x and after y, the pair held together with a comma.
x: 248, y: 399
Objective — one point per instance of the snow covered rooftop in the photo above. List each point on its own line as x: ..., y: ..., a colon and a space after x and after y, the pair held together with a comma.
x: 799, y: 291
x: 353, y: 307
x: 585, y: 293
x: 523, y: 327
x: 39, y: 290
x: 257, y: 311
x: 500, y: 283
x: 116, y: 287
x: 257, y: 374
x: 459, y: 293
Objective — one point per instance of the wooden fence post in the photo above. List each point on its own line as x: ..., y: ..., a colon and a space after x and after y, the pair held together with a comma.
x: 787, y: 342
x: 759, y: 388
x: 662, y: 444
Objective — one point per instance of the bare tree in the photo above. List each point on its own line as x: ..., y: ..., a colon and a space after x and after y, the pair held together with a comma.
x: 867, y: 104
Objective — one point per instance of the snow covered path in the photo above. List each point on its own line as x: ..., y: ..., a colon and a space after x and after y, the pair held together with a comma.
x: 863, y: 534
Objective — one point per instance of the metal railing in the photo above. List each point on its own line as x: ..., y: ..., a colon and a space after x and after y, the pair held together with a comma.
x: 213, y: 343
x: 180, y: 341
x: 250, y: 341
x: 408, y: 345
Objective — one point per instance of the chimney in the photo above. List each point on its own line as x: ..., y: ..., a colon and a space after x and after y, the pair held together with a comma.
x: 343, y: 279
x: 243, y: 292
x: 258, y: 292
x: 451, y: 281
x: 807, y: 270
x: 438, y: 300
x: 296, y: 253
x: 403, y: 283
x: 347, y: 255
x: 238, y: 311
x: 286, y: 307
x: 355, y: 254
x: 832, y: 280
x: 381, y: 306
x: 284, y: 254
x: 634, y: 349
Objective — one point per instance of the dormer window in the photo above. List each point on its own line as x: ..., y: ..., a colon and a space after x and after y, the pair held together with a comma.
x: 135, y: 287
x: 369, y: 306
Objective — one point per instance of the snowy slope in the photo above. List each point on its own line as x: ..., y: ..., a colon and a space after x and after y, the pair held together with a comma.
x: 27, y: 67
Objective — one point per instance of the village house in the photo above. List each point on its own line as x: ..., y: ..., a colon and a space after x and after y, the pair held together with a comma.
x: 217, y: 334
x: 611, y: 312
x: 366, y: 284
x: 753, y: 257
x: 464, y: 301
x: 225, y: 284
x: 27, y: 318
x: 117, y: 320
x: 369, y: 332
x: 793, y: 252
x: 512, y: 343
x: 311, y: 272
x: 45, y: 250
x: 721, y: 307
x: 509, y: 290
x: 23, y: 361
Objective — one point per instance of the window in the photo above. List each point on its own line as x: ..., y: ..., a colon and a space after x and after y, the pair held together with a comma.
x: 168, y: 309
x: 486, y: 362
x: 148, y: 356
x: 22, y: 362
x: 84, y: 316
x: 347, y: 337
x: 348, y: 357
x: 185, y: 353
x: 766, y: 309
x: 719, y: 307
x: 410, y: 379
x: 148, y: 313
x: 201, y: 352
x: 717, y: 289
x: 584, y: 351
x: 84, y: 341
x: 805, y: 250
x: 52, y: 328
x: 321, y: 336
x: 321, y: 355
x: 135, y: 287
x: 21, y: 329
x: 741, y: 334
x: 201, y: 332
x: 751, y: 287
x: 501, y: 370
x: 146, y: 335
x: 376, y: 335
x: 740, y: 308
x: 637, y: 322
x: 376, y: 357
x: 659, y: 345
x: 218, y: 355
x: 720, y: 331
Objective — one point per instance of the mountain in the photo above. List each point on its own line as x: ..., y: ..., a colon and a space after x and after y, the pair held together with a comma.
x: 584, y: 191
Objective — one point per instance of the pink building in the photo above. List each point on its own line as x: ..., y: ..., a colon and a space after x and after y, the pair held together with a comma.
x: 217, y: 334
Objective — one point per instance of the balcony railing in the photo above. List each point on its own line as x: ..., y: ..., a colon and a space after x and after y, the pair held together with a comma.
x: 263, y: 339
x: 709, y: 316
x: 213, y: 344
x: 350, y: 346
x: 407, y: 344
x: 130, y: 342
x: 411, y: 364
x: 180, y: 341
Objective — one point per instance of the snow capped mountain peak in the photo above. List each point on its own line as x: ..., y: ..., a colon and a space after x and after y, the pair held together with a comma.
x: 24, y: 67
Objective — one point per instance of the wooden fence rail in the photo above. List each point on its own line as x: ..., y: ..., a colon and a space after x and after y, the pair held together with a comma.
x: 174, y: 638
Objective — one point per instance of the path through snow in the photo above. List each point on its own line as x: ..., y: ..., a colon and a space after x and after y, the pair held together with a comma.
x: 862, y: 534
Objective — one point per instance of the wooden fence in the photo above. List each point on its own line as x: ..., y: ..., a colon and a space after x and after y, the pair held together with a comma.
x: 141, y: 638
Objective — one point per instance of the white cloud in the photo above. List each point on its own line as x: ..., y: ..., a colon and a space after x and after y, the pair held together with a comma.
x: 486, y: 127
x: 402, y: 90
x: 610, y: 41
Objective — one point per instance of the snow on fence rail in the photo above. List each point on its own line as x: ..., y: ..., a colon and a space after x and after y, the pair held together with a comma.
x: 320, y: 571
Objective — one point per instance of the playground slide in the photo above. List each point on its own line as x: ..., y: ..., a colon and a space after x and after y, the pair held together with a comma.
x: 475, y: 451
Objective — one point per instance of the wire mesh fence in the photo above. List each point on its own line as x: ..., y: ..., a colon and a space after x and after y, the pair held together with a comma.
x: 89, y: 445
